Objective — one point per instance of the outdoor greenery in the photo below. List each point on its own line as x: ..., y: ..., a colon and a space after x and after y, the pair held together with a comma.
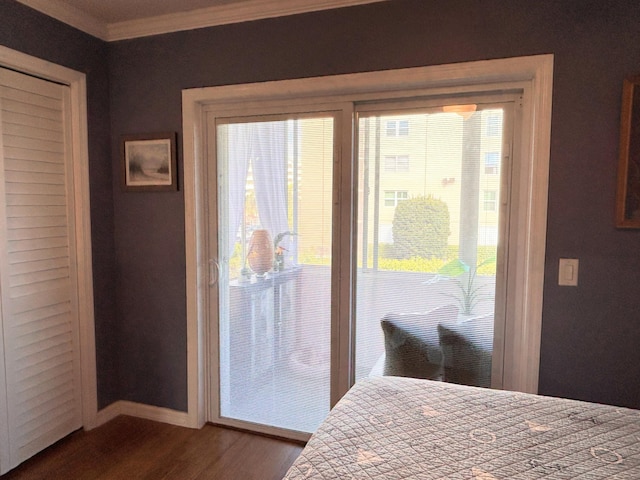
x: 433, y: 265
x: 421, y: 228
x: 413, y: 264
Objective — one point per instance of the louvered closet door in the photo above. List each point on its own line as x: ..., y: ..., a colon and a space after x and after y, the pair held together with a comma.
x: 39, y: 304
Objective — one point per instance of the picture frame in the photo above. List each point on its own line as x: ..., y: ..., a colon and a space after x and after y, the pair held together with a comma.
x: 149, y: 162
x: 628, y: 190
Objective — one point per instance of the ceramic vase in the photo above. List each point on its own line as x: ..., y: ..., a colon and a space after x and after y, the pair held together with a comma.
x: 260, y: 256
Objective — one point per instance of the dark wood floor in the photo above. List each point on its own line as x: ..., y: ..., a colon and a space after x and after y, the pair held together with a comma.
x: 132, y: 448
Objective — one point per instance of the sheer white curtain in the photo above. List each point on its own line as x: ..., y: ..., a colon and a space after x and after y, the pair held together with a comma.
x: 238, y: 155
x: 270, y: 175
x: 264, y: 145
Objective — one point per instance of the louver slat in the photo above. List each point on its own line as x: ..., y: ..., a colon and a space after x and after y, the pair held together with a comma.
x: 38, y: 293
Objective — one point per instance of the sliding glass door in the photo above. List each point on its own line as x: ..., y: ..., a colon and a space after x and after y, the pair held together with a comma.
x: 274, y: 250
x: 430, y: 227
x: 334, y: 260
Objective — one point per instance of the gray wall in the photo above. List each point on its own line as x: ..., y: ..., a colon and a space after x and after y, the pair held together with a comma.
x: 590, y: 333
x: 28, y: 31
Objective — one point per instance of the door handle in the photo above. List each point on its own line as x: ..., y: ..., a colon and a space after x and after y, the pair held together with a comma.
x: 214, y: 270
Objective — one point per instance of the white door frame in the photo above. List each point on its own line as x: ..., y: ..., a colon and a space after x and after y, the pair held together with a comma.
x: 533, y: 76
x: 76, y: 81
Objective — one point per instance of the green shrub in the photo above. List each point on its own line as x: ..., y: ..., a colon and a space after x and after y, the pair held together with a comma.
x: 421, y: 228
x: 386, y: 250
x: 413, y: 264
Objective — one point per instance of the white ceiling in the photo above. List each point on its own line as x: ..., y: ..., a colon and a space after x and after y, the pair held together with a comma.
x: 120, y: 19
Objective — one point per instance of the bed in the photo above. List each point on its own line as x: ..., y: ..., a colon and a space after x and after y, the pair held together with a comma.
x: 397, y: 428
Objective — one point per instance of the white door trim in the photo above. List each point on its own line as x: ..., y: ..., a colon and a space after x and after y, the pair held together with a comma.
x: 532, y: 75
x: 80, y: 152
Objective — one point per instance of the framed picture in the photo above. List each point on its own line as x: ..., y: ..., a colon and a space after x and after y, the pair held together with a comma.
x: 149, y: 162
x: 628, y: 195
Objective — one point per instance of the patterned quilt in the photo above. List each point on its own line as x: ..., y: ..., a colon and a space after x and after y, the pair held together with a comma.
x: 397, y: 428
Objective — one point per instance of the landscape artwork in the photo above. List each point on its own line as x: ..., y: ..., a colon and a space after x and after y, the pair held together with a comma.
x: 149, y: 162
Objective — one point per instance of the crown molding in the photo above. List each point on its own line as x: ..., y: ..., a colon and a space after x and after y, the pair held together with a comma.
x: 204, y: 17
x: 221, y: 15
x: 69, y: 15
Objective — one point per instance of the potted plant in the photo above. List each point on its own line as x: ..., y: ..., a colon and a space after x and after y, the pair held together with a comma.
x: 278, y: 255
x: 469, y: 293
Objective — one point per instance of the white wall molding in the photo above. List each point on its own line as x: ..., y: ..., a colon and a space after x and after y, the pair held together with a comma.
x: 139, y: 410
x: 203, y: 17
x: 221, y: 15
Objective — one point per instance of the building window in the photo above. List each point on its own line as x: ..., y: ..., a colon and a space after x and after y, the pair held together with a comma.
x: 491, y: 161
x: 397, y: 128
x: 490, y: 201
x: 494, y: 126
x: 393, y: 197
x: 396, y: 163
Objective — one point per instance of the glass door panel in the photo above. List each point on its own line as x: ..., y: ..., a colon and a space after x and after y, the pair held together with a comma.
x: 428, y: 227
x: 275, y: 187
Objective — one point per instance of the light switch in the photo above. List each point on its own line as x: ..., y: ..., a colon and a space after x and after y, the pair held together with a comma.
x: 568, y: 272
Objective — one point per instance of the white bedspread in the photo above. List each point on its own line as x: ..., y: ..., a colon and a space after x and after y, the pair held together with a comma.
x: 398, y: 428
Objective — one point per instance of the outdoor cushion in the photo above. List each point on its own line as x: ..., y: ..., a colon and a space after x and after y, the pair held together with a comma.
x: 467, y: 347
x: 411, y: 342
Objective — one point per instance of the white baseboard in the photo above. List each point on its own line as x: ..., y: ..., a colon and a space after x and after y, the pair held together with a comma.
x: 140, y: 410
